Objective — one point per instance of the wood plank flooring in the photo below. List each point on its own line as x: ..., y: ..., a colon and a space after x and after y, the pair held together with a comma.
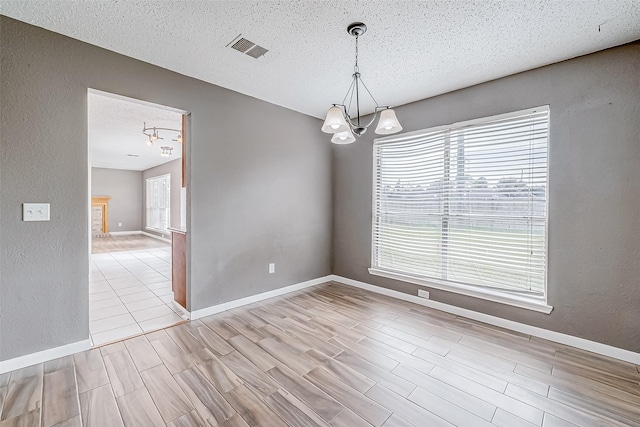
x: 129, y: 242
x: 326, y: 356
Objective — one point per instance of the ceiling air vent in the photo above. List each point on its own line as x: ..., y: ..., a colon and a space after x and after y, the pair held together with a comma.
x: 246, y: 46
x: 242, y: 45
x: 257, y: 51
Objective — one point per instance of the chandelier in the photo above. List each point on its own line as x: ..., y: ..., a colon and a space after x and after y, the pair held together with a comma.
x: 340, y: 123
x: 153, y: 135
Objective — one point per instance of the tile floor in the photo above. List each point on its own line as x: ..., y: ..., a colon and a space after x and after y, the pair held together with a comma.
x: 130, y: 293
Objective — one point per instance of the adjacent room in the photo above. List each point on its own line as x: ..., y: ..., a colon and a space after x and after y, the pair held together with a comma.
x: 320, y: 213
x: 137, y: 204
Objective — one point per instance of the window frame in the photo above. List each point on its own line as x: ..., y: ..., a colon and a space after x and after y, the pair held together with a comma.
x: 146, y: 213
x: 514, y: 298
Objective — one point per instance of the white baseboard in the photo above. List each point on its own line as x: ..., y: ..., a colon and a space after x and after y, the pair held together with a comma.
x: 129, y: 233
x: 66, y: 350
x: 155, y: 236
x: 124, y: 233
x: 43, y: 356
x: 584, y: 344
x: 259, y: 297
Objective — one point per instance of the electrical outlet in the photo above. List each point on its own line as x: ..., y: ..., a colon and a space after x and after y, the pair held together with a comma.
x: 423, y: 294
x: 119, y: 224
x: 272, y: 268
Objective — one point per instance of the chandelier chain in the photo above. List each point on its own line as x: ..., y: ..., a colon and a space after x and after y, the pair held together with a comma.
x: 355, y: 68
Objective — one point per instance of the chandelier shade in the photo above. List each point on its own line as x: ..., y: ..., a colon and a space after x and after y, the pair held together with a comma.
x: 338, y: 120
x: 388, y: 123
x: 345, y: 137
x: 335, y: 122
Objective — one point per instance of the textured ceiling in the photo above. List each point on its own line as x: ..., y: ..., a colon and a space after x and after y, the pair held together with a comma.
x: 115, y: 131
x: 413, y: 49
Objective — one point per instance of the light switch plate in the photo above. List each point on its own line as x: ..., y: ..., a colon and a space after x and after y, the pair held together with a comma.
x: 272, y: 268
x: 35, y: 212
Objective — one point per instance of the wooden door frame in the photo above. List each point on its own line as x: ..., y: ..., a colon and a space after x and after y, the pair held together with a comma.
x: 103, y: 203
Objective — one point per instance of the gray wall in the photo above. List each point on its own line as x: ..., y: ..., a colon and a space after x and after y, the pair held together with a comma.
x: 594, y: 192
x: 174, y: 168
x: 125, y: 189
x: 257, y: 194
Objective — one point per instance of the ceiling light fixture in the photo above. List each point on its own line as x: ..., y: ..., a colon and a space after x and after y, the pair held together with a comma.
x: 338, y: 120
x: 152, y: 133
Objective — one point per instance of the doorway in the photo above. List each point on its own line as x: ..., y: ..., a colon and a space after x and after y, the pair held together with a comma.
x: 137, y: 201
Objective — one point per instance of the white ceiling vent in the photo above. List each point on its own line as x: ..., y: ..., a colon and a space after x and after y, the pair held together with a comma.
x: 246, y: 46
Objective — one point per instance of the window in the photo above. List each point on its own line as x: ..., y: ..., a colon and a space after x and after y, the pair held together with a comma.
x: 464, y: 207
x: 158, y: 202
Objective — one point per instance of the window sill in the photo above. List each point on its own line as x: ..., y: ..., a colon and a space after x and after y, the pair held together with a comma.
x: 504, y: 297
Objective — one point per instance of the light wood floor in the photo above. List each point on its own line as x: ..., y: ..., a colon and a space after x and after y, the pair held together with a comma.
x: 329, y: 355
x: 131, y: 242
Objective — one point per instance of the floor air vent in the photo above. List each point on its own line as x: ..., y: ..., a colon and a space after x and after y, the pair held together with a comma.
x: 248, y: 47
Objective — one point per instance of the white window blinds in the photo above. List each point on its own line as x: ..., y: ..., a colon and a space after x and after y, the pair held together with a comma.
x: 465, y: 204
x: 159, y: 202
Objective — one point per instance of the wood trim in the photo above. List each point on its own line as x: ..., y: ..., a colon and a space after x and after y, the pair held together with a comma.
x: 100, y: 199
x: 179, y: 267
x: 184, y: 149
x: 103, y: 202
